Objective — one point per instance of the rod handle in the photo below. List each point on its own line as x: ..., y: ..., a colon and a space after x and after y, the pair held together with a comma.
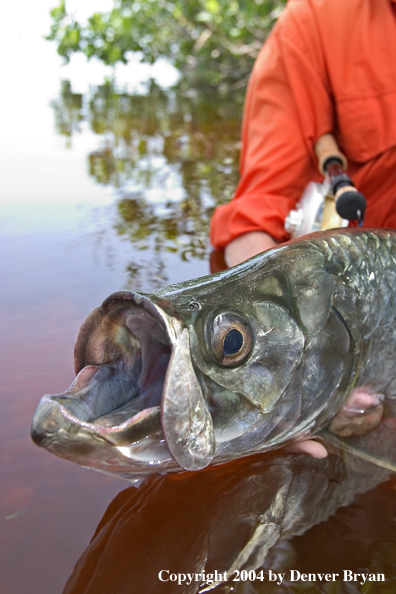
x: 326, y: 148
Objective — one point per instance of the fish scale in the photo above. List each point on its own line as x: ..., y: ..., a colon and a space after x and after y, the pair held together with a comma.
x: 376, y: 303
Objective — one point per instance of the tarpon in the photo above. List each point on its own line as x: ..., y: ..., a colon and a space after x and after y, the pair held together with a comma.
x: 243, y: 361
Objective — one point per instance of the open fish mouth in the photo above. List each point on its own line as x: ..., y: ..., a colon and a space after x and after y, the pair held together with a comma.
x: 136, y: 402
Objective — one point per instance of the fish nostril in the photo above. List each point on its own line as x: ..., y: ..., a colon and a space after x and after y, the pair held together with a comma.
x: 41, y: 437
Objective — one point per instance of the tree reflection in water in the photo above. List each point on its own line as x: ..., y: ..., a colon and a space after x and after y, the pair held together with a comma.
x: 172, y: 156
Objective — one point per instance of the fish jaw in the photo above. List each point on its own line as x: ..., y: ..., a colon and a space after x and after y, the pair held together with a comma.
x: 66, y: 436
x: 128, y: 411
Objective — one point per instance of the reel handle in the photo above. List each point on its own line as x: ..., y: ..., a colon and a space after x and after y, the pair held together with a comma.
x: 350, y: 204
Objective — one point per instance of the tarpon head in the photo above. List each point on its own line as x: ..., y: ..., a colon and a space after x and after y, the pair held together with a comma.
x: 203, y: 371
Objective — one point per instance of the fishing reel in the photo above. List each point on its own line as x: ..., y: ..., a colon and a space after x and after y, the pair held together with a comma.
x: 331, y: 204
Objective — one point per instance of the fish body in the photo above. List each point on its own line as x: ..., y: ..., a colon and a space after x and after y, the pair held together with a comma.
x: 242, y: 361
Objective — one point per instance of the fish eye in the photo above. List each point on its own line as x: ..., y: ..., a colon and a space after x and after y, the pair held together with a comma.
x: 233, y: 342
x: 231, y: 339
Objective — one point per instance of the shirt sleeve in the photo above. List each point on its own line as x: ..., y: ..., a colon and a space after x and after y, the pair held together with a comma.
x: 288, y: 107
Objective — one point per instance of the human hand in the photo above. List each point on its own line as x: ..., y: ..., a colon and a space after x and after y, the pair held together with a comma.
x: 361, y: 412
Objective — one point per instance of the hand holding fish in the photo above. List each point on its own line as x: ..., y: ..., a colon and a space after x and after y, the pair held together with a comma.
x: 360, y: 413
x: 257, y: 357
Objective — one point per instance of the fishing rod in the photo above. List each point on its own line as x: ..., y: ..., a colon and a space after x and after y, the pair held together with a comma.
x: 329, y: 205
x: 334, y: 202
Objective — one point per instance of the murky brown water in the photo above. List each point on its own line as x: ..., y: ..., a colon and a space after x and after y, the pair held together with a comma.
x: 119, y: 197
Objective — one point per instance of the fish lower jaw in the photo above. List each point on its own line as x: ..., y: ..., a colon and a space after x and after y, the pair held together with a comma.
x: 93, y: 446
x: 146, y: 452
x: 136, y: 445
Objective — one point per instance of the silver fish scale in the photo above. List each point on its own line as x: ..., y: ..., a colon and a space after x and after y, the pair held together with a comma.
x: 365, y: 268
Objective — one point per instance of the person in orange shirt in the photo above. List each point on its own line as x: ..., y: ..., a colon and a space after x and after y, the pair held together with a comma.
x: 329, y: 66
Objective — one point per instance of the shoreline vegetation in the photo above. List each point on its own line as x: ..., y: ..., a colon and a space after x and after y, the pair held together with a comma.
x: 213, y: 43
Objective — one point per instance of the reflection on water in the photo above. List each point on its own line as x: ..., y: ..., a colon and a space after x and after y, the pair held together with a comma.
x: 171, y: 156
x: 241, y: 517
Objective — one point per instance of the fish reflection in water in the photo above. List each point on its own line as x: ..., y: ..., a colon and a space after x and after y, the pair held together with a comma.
x: 243, y: 515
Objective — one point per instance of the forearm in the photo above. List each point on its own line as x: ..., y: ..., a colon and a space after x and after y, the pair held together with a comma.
x: 246, y: 246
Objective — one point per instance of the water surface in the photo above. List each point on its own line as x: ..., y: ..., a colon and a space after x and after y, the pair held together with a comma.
x: 107, y: 187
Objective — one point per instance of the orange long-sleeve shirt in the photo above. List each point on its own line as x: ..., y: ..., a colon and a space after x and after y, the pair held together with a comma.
x: 328, y: 66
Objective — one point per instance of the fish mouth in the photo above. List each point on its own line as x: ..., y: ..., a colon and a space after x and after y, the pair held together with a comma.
x: 136, y: 403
